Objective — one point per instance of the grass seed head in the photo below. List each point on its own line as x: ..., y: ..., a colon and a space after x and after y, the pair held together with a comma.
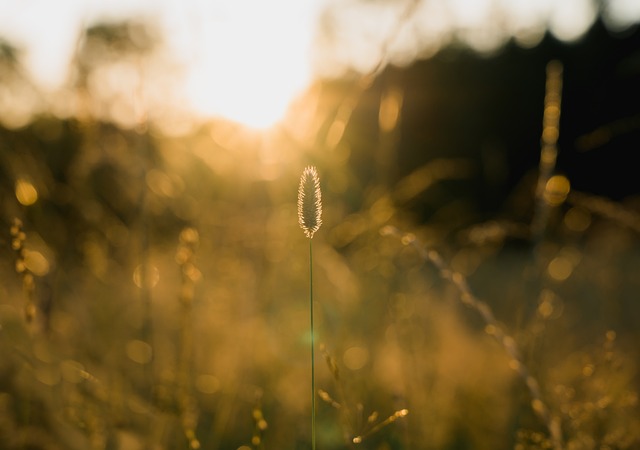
x: 309, y: 202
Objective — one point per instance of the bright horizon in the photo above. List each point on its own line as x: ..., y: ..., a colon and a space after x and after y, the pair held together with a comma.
x: 247, y: 60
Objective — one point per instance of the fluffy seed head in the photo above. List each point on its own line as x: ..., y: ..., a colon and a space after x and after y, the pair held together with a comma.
x: 309, y: 202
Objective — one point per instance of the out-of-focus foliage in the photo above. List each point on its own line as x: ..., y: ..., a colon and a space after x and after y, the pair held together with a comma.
x: 169, y: 278
x: 18, y: 96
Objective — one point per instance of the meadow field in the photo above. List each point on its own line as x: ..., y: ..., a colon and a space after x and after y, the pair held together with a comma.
x: 154, y: 283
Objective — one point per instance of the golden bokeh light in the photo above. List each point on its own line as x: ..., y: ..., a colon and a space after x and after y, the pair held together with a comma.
x: 390, y: 107
x: 577, y: 219
x: 556, y: 190
x: 36, y: 263
x: 561, y: 267
x: 207, y: 384
x: 550, y: 306
x: 146, y: 276
x: 355, y: 357
x: 139, y: 351
x: 26, y: 192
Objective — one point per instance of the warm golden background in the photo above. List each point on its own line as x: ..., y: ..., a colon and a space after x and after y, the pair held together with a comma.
x: 154, y: 279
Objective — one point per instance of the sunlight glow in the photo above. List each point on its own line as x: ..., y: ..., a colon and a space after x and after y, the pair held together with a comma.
x: 250, y: 60
x: 244, y: 60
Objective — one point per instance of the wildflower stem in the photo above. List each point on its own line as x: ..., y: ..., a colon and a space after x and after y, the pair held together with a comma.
x: 313, y: 376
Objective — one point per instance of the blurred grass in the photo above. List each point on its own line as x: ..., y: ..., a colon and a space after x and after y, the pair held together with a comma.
x: 114, y: 359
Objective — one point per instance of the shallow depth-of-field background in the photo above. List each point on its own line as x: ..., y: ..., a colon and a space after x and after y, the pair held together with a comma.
x: 154, y: 282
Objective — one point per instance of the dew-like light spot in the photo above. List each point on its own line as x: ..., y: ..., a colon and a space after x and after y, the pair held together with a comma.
x: 139, y: 351
x: 207, y: 384
x: 515, y: 365
x: 163, y: 184
x: 146, y: 276
x: 545, y: 309
x: 355, y: 357
x: 577, y: 219
x: 549, y: 305
x: 36, y: 263
x: 560, y: 268
x: 538, y: 406
x: 556, y: 190
x: 26, y: 193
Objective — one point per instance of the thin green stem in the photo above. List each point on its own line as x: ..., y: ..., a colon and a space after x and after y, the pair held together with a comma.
x: 313, y: 371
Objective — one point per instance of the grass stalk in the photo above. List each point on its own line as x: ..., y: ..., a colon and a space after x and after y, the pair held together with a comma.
x: 185, y: 257
x: 313, y: 359
x: 549, y: 146
x: 310, y: 219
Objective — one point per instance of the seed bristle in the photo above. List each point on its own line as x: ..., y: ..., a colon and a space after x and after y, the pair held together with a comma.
x: 309, y: 202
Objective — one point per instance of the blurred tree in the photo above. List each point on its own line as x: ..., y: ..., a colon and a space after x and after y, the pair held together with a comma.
x: 19, y: 97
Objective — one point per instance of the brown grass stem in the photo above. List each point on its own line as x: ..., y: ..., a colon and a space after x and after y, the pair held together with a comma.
x: 548, y: 144
x: 185, y: 257
x: 606, y: 208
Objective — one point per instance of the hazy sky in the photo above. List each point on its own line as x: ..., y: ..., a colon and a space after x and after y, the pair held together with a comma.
x: 224, y: 44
